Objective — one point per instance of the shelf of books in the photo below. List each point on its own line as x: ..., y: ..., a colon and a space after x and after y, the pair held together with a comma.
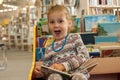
x: 102, y: 6
x: 98, y: 7
x: 43, y: 5
x: 3, y: 35
x: 19, y: 30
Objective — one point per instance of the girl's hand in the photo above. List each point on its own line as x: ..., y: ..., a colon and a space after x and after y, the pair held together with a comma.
x: 37, y: 70
x: 58, y: 67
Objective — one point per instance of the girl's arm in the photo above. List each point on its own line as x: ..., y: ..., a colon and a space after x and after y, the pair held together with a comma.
x: 37, y: 73
x: 82, y: 54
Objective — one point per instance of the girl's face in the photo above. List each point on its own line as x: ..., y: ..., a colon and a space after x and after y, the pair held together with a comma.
x: 58, y: 24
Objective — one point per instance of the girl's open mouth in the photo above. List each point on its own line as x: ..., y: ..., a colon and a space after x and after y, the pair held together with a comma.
x: 57, y: 32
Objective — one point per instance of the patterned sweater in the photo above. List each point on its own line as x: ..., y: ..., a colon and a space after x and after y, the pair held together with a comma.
x: 73, y: 54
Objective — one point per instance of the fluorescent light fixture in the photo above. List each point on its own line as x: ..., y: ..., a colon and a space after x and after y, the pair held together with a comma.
x: 9, y: 9
x: 1, y: 11
x: 1, y: 1
x: 32, y: 6
x: 24, y: 9
x: 4, y: 38
x: 10, y: 6
x: 5, y: 10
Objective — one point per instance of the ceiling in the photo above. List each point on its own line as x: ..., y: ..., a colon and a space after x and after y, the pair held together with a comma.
x: 18, y: 3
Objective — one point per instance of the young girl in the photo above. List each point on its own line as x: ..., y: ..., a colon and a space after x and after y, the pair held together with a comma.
x: 67, y: 52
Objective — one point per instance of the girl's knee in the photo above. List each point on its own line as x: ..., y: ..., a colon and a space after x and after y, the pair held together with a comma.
x: 55, y: 76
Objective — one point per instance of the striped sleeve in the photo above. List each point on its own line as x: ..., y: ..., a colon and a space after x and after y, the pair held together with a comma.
x: 81, y: 56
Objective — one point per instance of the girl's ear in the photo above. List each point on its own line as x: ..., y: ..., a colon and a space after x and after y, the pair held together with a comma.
x: 70, y: 23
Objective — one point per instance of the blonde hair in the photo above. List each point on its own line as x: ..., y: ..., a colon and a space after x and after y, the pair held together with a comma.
x: 59, y: 8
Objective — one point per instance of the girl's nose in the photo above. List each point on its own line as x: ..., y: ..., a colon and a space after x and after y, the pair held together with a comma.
x: 56, y: 24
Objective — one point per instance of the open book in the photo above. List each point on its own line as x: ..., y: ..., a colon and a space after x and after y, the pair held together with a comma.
x: 88, y: 65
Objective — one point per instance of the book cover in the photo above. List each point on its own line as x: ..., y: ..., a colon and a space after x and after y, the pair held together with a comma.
x: 39, y: 53
x: 91, y: 21
x: 39, y: 31
x: 75, y: 25
x: 88, y: 38
x: 41, y: 41
x: 42, y: 27
x: 111, y: 53
x: 99, y: 39
x: 48, y: 41
x: 44, y: 41
x: 109, y: 28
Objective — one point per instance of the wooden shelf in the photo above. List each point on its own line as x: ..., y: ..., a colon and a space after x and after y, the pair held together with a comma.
x: 105, y: 7
x: 64, y: 5
x: 106, y: 65
x: 109, y: 47
x: 93, y: 7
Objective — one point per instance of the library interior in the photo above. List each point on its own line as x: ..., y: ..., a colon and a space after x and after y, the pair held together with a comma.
x: 25, y: 35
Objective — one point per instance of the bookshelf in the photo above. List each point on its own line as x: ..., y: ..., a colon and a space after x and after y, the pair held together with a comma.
x: 3, y: 35
x: 27, y: 22
x: 19, y: 30
x: 6, y: 36
x: 43, y: 5
x: 107, y: 69
x: 95, y: 7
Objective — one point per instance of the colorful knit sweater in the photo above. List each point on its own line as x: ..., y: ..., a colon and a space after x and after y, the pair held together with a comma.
x: 73, y: 54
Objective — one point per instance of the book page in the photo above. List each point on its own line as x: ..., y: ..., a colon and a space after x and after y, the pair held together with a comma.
x: 51, y: 70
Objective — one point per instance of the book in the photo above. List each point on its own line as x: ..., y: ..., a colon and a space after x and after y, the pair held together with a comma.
x: 41, y: 41
x: 39, y: 53
x: 51, y: 70
x: 44, y: 41
x: 88, y: 37
x: 75, y: 26
x: 90, y: 21
x: 87, y: 65
x: 49, y: 40
x: 99, y: 39
x: 110, y: 51
x: 109, y: 29
x: 42, y: 27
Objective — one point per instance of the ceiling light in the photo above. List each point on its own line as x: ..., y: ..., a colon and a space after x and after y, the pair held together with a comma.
x: 10, y: 6
x: 1, y: 1
x: 5, y: 10
x: 1, y: 10
x: 9, y: 9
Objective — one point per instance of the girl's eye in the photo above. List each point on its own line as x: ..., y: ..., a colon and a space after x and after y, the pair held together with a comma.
x: 60, y: 21
x: 51, y: 22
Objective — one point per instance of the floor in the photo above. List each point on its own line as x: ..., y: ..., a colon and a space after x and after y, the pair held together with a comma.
x: 18, y: 65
